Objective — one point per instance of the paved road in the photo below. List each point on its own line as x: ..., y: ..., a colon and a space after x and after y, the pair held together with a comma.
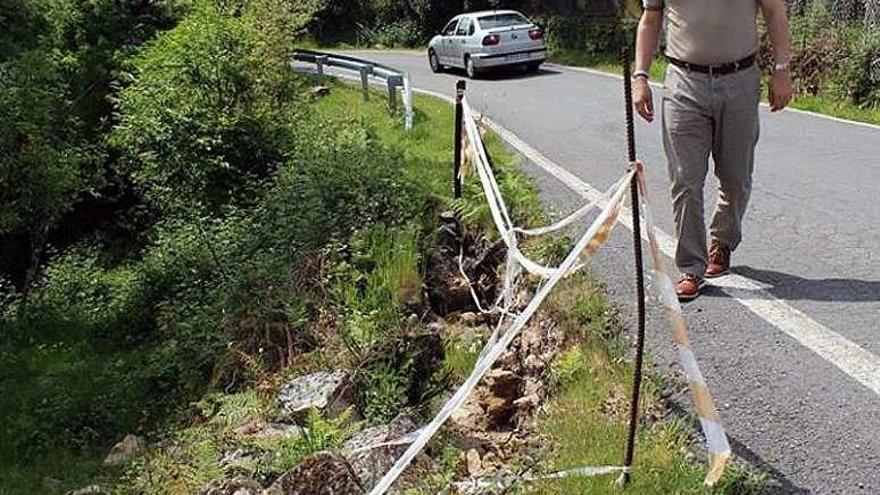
x: 791, y: 354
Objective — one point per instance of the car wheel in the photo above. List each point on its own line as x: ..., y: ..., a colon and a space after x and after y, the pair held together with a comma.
x: 470, y: 68
x: 434, y: 61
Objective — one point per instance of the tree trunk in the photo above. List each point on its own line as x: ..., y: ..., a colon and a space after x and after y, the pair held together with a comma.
x: 39, y: 239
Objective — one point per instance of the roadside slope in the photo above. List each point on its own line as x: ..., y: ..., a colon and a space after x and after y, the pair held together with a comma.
x: 809, y: 242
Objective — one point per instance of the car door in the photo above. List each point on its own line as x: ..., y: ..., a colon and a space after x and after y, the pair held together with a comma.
x: 459, y: 41
x: 444, y: 50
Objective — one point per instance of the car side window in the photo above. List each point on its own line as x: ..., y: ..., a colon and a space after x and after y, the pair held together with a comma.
x: 449, y: 30
x: 464, y: 26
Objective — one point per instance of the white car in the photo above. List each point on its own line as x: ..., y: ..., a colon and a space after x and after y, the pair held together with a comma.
x: 488, y: 39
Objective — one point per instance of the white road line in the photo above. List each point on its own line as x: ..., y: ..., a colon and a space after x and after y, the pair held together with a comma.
x: 861, y: 365
x: 853, y: 360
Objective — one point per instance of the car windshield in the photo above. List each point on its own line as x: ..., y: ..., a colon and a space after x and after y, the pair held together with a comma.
x: 502, y: 20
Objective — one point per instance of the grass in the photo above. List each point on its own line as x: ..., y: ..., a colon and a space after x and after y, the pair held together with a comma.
x: 825, y: 105
x: 389, y: 275
x: 585, y: 423
x: 428, y: 148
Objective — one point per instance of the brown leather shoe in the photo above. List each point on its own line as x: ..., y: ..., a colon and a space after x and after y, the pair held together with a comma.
x: 719, y: 260
x: 688, y: 287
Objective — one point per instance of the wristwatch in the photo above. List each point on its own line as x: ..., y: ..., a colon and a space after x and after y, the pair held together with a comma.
x: 641, y: 73
x: 781, y: 66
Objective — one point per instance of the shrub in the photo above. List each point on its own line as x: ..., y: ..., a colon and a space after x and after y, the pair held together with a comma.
x: 403, y: 33
x: 832, y: 56
x: 194, y: 127
x: 859, y: 74
x: 593, y: 38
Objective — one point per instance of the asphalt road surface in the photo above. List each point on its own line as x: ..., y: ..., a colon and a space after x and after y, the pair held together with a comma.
x: 789, y: 344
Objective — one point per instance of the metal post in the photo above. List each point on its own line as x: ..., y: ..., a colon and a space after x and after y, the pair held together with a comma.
x: 392, y: 93
x: 640, y: 273
x: 320, y: 60
x: 407, y: 103
x: 365, y: 80
x: 460, y: 87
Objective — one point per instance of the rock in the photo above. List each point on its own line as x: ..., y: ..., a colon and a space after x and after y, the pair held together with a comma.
x: 499, y: 411
x: 468, y: 318
x: 237, y: 485
x: 323, y: 473
x: 503, y: 388
x: 470, y: 416
x: 504, y: 383
x: 474, y: 464
x: 123, y: 451
x: 320, y: 91
x: 527, y: 403
x: 534, y: 364
x: 238, y: 460
x: 329, y: 392
x: 370, y: 465
x: 87, y: 490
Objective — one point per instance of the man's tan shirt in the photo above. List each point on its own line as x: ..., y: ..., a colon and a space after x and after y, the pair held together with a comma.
x: 709, y: 31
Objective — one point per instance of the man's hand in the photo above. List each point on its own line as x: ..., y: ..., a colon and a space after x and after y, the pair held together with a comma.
x: 780, y: 90
x: 643, y: 98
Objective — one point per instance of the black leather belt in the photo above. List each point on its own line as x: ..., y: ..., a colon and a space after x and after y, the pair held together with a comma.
x: 715, y: 70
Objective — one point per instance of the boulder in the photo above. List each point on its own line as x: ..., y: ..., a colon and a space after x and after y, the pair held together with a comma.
x: 370, y: 465
x: 123, y: 451
x: 236, y: 485
x: 331, y: 393
x: 323, y: 473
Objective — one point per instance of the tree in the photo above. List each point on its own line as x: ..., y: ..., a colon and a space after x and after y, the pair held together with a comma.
x: 44, y: 166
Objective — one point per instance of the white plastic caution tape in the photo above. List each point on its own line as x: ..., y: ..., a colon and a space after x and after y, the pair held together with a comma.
x: 588, y: 242
x: 704, y: 405
x: 506, y: 481
x: 573, y: 217
x: 498, y: 208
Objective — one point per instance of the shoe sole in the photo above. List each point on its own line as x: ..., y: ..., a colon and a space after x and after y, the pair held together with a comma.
x: 683, y: 298
x: 725, y: 272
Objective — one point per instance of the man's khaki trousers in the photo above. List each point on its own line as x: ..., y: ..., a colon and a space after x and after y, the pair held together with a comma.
x: 707, y: 115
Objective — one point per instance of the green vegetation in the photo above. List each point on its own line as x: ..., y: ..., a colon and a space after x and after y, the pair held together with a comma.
x: 833, y: 65
x: 586, y: 422
x: 185, y: 231
x: 185, y: 226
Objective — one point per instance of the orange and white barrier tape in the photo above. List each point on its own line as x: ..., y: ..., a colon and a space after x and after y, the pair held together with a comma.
x: 588, y: 243
x: 704, y: 405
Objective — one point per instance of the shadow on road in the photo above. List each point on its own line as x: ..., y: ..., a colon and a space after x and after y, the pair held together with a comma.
x: 790, y: 287
x: 510, y: 74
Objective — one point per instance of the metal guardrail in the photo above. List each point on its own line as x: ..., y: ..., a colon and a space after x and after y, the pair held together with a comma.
x: 394, y: 78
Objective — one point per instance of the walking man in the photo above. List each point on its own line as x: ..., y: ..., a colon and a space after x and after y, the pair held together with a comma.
x: 710, y: 108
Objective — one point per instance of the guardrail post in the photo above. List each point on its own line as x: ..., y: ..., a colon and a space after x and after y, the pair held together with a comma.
x: 365, y: 80
x: 392, y: 92
x: 320, y: 60
x: 407, y: 102
x: 460, y: 87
